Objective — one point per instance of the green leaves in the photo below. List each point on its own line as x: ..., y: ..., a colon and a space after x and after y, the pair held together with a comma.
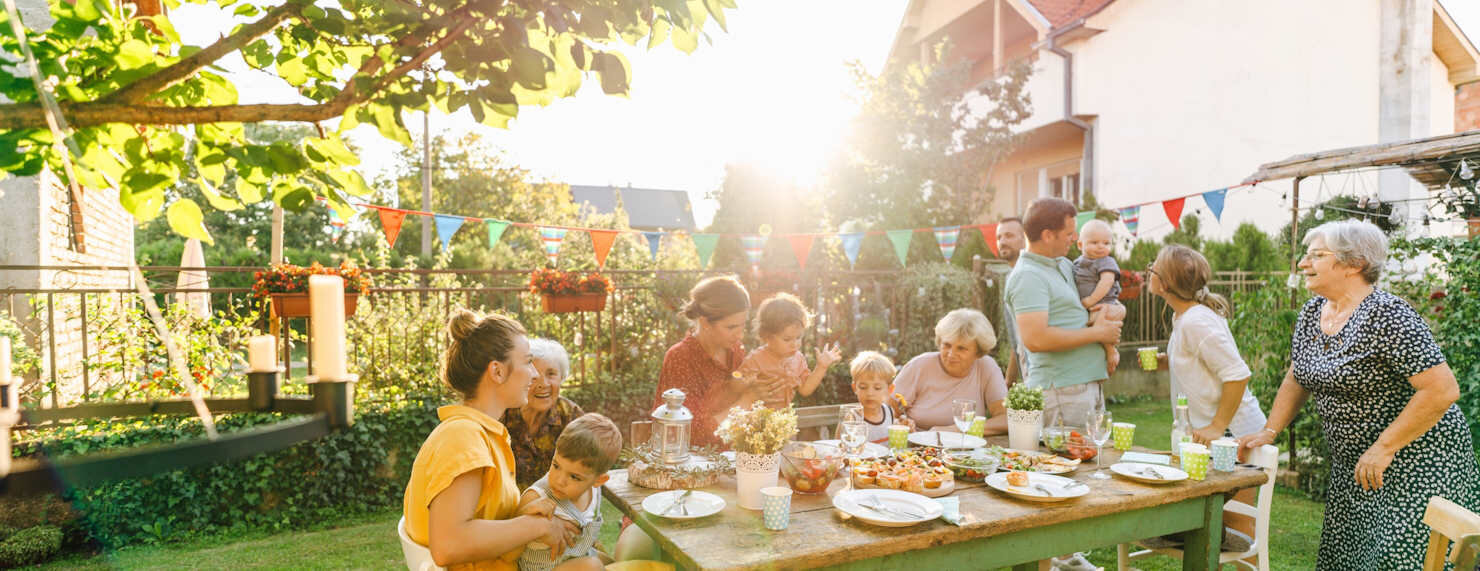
x: 185, y: 219
x: 616, y: 75
x: 134, y: 54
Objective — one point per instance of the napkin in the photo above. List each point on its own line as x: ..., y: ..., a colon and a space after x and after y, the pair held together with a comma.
x: 950, y: 509
x: 1146, y: 458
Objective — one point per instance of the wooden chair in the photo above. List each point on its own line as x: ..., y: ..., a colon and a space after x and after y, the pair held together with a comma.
x: 817, y: 422
x: 1450, y: 521
x: 418, y: 558
x: 1267, y: 458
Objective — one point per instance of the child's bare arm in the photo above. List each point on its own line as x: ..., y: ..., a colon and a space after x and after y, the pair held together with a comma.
x: 532, y: 503
x: 1107, y: 280
x: 826, y: 356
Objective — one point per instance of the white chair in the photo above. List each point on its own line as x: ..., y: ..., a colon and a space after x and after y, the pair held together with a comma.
x: 418, y: 558
x: 1450, y: 521
x: 1267, y: 458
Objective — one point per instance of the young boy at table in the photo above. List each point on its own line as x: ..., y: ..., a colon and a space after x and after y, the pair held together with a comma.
x: 873, y: 383
x: 584, y: 452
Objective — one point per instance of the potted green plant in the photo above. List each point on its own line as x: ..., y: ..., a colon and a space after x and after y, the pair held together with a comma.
x: 1024, y: 416
x: 565, y: 292
x: 286, y: 285
x: 1130, y: 285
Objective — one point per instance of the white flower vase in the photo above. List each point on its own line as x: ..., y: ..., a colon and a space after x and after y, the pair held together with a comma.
x: 1023, y: 427
x: 752, y: 473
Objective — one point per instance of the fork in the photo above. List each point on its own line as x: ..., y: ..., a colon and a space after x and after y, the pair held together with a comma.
x: 1153, y: 473
x: 1071, y: 484
x: 679, y: 503
x: 881, y: 508
x: 1045, y: 490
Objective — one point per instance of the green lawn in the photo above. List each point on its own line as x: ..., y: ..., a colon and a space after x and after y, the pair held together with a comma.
x: 369, y: 542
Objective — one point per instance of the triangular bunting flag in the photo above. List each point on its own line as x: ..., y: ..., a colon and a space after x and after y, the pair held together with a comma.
x: 495, y: 230
x: 654, y: 239
x: 801, y: 245
x: 1083, y: 218
x: 447, y: 226
x: 1173, y: 209
x: 755, y: 247
x: 901, y: 240
x: 601, y: 243
x: 552, y: 237
x: 989, y: 234
x: 1131, y: 216
x: 852, y: 243
x: 1215, y: 198
x: 390, y: 223
x: 945, y: 236
x: 705, y: 244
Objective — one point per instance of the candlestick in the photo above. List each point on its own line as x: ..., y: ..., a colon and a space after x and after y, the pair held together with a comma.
x: 262, y: 353
x: 326, y: 307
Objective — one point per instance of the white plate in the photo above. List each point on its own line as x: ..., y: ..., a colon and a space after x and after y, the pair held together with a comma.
x: 849, y: 503
x: 1054, y: 484
x: 870, y: 450
x: 699, y: 504
x: 1134, y: 471
x: 947, y: 440
x: 1049, y: 469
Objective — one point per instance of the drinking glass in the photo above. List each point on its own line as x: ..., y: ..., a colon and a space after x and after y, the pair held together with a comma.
x: 853, y: 437
x: 846, y: 413
x: 963, y: 411
x: 1099, y: 425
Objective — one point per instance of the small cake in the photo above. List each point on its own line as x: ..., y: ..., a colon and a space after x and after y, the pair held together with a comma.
x: 1017, y: 478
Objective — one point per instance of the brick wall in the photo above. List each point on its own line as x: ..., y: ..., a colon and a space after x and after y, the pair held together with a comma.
x: 1467, y: 107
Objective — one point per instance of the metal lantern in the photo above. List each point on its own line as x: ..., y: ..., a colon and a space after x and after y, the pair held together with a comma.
x: 671, y: 431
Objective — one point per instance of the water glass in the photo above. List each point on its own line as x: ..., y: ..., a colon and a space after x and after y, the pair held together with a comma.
x: 1124, y: 434
x: 963, y: 411
x: 848, y: 412
x: 853, y: 437
x: 776, y: 507
x: 1099, y: 425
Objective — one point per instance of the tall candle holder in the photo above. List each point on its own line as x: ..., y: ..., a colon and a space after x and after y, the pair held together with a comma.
x: 262, y: 388
x: 333, y: 387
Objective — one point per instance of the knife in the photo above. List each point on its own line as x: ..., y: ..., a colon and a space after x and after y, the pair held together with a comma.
x: 677, y: 502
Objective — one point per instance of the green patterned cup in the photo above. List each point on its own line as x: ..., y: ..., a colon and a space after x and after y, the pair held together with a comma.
x: 1148, y: 358
x: 1195, y: 459
x: 1123, y: 433
x: 899, y: 436
x: 978, y: 427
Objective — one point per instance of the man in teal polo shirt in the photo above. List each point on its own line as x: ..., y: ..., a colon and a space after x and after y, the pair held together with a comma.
x: 1065, y: 357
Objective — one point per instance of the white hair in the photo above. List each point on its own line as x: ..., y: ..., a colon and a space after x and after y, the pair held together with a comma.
x: 551, y: 352
x: 966, y: 324
x: 1356, y: 243
x: 1096, y: 224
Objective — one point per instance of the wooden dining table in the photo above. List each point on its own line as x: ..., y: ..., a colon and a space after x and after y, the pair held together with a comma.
x: 996, y: 530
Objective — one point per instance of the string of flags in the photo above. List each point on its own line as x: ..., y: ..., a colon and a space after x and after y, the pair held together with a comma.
x: 552, y: 237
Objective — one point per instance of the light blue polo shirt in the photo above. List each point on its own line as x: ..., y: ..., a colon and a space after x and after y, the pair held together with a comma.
x: 1040, y: 284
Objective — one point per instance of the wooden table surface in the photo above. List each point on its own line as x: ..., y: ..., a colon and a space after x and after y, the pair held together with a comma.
x: 1114, y: 511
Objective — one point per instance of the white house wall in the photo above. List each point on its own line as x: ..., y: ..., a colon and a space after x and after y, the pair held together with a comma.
x: 1441, y: 97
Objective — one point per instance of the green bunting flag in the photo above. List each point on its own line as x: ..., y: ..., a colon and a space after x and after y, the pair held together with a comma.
x: 901, y: 240
x: 705, y: 243
x: 1083, y: 218
x: 495, y: 230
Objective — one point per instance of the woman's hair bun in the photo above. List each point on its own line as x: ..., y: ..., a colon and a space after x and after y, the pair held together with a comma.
x: 463, y: 324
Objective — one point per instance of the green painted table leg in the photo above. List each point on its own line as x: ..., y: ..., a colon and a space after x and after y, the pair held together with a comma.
x: 1205, y: 545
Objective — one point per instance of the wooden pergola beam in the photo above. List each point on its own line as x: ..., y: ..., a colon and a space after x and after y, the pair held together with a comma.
x: 1444, y: 148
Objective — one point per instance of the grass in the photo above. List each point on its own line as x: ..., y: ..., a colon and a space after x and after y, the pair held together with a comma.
x: 369, y: 541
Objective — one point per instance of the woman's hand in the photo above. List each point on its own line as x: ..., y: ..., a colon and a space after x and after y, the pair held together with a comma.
x: 541, y: 507
x: 907, y: 421
x: 556, y: 535
x: 1371, y: 465
x: 1206, y: 434
x: 1249, y: 442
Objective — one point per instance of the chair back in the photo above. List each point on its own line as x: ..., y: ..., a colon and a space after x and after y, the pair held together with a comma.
x: 1267, y: 458
x: 817, y: 422
x: 1447, y: 521
x: 418, y: 557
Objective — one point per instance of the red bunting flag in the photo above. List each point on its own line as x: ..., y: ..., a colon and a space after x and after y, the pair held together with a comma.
x: 989, y: 233
x: 801, y: 245
x: 1173, y: 209
x: 601, y: 242
x: 390, y: 222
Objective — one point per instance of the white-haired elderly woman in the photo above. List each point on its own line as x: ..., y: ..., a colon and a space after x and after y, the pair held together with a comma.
x: 961, y: 369
x: 534, y: 427
x: 1385, y: 397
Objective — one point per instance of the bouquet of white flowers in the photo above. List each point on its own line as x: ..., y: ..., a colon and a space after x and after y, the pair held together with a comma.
x: 758, y: 429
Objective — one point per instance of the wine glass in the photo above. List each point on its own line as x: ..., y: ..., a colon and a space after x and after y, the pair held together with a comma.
x: 963, y: 411
x: 848, y: 412
x: 1099, y: 424
x: 853, y: 437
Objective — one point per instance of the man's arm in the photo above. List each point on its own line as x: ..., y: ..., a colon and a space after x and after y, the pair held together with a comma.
x: 1039, y: 337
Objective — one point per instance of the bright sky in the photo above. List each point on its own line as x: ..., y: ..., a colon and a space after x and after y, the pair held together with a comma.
x: 773, y: 90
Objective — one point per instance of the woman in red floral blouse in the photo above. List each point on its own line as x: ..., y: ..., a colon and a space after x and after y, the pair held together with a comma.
x: 701, y: 365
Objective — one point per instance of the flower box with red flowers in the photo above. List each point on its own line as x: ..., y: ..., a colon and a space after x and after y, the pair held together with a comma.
x: 287, y: 286
x: 1130, y: 285
x: 565, y: 292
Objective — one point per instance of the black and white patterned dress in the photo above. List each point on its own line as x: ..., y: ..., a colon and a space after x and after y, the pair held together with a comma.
x: 1358, y: 379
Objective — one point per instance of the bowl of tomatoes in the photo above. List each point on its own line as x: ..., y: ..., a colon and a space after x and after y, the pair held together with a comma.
x: 810, y: 468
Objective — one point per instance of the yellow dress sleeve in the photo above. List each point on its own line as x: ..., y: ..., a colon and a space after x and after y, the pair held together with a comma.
x: 457, y: 448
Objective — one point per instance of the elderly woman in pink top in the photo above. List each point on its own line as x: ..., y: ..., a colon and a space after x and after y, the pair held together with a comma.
x: 961, y: 369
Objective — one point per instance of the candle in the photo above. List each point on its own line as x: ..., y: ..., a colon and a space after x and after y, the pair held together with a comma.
x: 326, y: 307
x: 262, y: 353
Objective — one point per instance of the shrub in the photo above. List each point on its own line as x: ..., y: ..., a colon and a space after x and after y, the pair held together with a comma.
x: 1445, y: 292
x: 30, y: 546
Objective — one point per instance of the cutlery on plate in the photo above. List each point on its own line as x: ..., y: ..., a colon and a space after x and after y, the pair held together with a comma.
x: 937, y: 439
x: 876, y: 505
x: 1045, y: 490
x: 678, y: 503
x: 1149, y: 471
x: 1071, y: 484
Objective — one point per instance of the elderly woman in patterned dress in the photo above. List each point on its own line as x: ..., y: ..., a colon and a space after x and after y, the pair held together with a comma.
x: 1385, y: 397
x: 534, y: 427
